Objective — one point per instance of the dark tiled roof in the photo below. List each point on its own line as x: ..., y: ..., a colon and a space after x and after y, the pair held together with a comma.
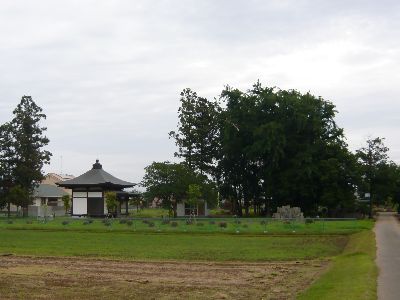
x: 48, y: 190
x: 96, y: 177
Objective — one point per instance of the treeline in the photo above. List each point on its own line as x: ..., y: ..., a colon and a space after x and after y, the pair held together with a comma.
x: 267, y: 147
x: 22, y: 154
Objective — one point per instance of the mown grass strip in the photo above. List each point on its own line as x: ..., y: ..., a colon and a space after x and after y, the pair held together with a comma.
x: 353, y: 274
x: 139, y: 246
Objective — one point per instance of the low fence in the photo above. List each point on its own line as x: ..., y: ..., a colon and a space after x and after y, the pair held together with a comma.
x: 238, y: 225
x: 45, y: 211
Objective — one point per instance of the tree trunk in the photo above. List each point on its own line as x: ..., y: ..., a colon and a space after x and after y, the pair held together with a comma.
x: 24, y: 211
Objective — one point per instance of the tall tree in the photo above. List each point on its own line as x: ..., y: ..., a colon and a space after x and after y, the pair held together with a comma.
x: 282, y: 147
x: 7, y: 164
x: 197, y: 132
x: 29, y: 143
x: 372, y: 157
x: 22, y: 153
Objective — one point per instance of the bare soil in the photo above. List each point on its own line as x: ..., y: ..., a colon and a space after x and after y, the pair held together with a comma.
x: 28, y: 277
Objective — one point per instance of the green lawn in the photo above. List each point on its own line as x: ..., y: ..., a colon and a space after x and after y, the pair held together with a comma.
x: 244, y: 226
x: 149, y: 213
x: 142, y: 246
x: 353, y: 274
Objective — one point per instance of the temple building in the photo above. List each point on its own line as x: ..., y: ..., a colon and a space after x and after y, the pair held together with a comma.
x: 88, y: 192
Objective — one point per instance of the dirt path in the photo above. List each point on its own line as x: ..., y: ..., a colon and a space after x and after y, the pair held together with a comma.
x: 76, y: 278
x: 387, y: 230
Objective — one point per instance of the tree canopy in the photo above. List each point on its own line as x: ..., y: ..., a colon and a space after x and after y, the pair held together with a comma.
x: 197, y: 132
x: 22, y: 149
x: 283, y: 148
x: 267, y: 147
x: 170, y: 183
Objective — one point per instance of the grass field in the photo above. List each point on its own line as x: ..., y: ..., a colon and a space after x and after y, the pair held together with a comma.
x: 149, y: 213
x: 352, y: 275
x: 263, y: 260
x: 139, y: 246
x: 210, y: 225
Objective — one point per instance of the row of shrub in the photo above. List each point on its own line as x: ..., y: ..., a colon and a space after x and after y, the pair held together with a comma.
x: 108, y: 222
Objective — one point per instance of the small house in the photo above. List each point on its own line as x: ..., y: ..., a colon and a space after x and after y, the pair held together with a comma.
x: 88, y: 192
x: 47, y: 200
x: 47, y: 194
x: 185, y: 209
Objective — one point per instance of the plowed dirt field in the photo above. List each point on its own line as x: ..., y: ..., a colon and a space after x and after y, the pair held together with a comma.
x: 28, y: 277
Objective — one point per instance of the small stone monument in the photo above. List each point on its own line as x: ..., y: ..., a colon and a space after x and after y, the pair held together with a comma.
x: 287, y: 212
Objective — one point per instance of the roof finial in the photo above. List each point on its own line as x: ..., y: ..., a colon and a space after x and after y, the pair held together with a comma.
x: 97, y: 165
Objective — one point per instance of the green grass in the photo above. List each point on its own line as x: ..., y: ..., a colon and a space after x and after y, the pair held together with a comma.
x: 244, y: 226
x: 141, y: 246
x: 149, y: 213
x: 353, y: 274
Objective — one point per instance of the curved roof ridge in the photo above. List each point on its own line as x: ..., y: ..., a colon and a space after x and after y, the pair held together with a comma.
x: 96, y: 176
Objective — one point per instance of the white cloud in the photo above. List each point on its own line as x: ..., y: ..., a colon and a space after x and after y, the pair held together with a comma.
x: 108, y: 73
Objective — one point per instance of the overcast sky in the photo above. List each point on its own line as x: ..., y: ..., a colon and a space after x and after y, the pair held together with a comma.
x: 108, y: 73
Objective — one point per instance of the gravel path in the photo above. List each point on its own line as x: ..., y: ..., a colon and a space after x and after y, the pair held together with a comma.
x: 387, y: 230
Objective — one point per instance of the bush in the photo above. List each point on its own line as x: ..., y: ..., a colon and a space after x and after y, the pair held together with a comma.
x: 189, y: 221
x: 65, y: 222
x: 9, y: 222
x: 245, y: 225
x: 263, y: 222
x: 174, y: 224
x: 107, y: 223
x: 129, y: 223
x: 238, y: 221
x: 220, y: 212
x: 86, y: 222
x: 29, y: 222
x: 212, y: 222
x: 151, y: 224
x: 90, y: 221
x: 309, y: 221
x: 146, y: 221
x: 123, y: 221
x: 165, y: 222
x: 222, y: 224
x: 200, y: 224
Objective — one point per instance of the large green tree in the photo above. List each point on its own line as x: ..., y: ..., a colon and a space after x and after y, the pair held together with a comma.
x: 283, y: 147
x: 197, y: 132
x: 7, y: 164
x: 22, y: 152
x: 386, y: 190
x: 169, y: 182
x: 268, y: 147
x: 373, y: 158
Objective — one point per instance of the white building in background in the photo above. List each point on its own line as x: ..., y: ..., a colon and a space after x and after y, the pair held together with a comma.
x: 53, y: 178
x: 47, y: 193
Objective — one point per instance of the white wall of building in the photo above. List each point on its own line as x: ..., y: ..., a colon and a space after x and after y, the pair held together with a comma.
x: 93, y: 194
x: 79, y: 206
x: 206, y: 210
x: 80, y: 194
x: 180, y: 209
